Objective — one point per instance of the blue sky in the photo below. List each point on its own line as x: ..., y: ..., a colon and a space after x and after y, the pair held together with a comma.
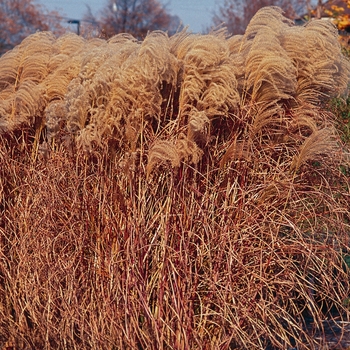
x: 195, y: 13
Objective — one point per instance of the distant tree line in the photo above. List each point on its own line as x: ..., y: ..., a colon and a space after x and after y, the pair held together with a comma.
x: 19, y: 18
x: 236, y: 14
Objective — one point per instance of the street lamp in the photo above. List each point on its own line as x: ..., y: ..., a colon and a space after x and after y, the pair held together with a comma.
x: 77, y: 22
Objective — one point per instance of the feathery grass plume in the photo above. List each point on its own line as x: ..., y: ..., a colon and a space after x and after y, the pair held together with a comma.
x: 55, y: 116
x: 157, y: 62
x: 95, y: 53
x: 209, y: 74
x: 69, y: 44
x: 319, y: 143
x: 22, y: 71
x: 79, y: 98
x: 10, y: 62
x: 74, y: 56
x: 28, y: 60
x: 206, y: 214
x: 187, y: 148
x: 63, y: 69
x: 29, y: 102
x: 198, y: 128
x: 161, y: 152
x: 148, y: 74
x: 93, y: 91
x: 269, y: 16
x: 208, y: 88
x: 140, y: 72
x: 324, y: 71
x: 270, y: 75
x: 64, y: 65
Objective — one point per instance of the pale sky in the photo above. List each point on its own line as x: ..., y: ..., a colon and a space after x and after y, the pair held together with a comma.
x: 195, y: 13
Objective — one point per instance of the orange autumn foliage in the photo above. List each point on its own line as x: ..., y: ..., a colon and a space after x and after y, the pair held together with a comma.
x: 20, y: 18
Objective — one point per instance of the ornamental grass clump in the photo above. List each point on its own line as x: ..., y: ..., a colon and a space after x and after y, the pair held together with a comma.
x: 182, y: 192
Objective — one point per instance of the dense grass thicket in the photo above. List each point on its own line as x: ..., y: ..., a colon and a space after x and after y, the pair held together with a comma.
x: 184, y: 192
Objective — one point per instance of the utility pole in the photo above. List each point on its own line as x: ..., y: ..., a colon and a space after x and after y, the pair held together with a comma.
x: 319, y: 9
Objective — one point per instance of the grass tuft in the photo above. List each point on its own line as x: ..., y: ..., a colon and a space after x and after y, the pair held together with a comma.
x: 180, y: 198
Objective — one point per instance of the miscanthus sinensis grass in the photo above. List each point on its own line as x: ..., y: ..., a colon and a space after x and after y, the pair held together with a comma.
x: 182, y: 192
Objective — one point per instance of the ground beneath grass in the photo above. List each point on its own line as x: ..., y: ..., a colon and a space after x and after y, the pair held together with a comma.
x: 335, y: 337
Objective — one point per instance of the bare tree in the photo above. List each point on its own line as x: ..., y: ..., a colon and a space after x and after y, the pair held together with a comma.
x: 20, y: 18
x: 318, y: 12
x: 136, y: 17
x: 236, y: 14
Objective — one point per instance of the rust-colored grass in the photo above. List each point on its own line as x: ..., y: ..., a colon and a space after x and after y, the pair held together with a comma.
x: 203, y: 207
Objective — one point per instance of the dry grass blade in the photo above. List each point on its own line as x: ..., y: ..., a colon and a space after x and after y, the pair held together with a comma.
x: 319, y: 143
x: 182, y: 192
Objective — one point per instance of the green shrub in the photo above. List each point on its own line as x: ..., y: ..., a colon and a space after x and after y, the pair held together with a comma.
x: 341, y: 109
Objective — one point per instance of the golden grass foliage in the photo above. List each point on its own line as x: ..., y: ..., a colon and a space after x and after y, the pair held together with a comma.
x: 135, y: 92
x: 183, y: 192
